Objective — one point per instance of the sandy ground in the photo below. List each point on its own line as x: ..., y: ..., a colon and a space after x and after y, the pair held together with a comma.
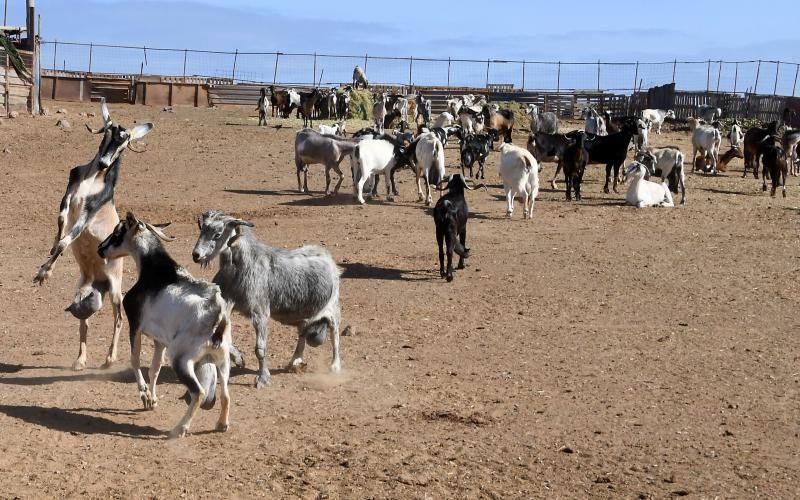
x: 594, y: 351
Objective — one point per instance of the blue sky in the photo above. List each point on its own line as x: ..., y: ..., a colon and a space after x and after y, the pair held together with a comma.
x: 609, y: 31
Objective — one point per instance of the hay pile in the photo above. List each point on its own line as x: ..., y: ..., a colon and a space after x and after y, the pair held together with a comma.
x: 360, y: 105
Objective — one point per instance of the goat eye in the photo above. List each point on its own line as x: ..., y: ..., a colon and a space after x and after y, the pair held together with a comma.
x: 217, y: 236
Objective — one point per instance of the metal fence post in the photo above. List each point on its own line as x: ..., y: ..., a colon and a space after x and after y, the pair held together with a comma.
x: 708, y: 76
x: 185, y: 54
x: 55, y: 51
x: 235, y: 58
x: 674, y: 67
x: 314, y: 72
x: 735, y: 77
x: 796, y: 71
x: 523, y: 74
x: 144, y: 51
x: 598, y: 75
x: 275, y: 71
x: 448, y: 73
x: 719, y: 74
x: 636, y: 76
x: 777, y: 70
x: 487, y: 74
x: 90, y: 57
x: 410, y: 66
x: 366, y: 58
x: 758, y: 70
x: 558, y: 78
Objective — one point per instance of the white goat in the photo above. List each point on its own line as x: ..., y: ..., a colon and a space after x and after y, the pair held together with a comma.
x: 443, y: 120
x: 706, y: 140
x: 643, y: 193
x: 370, y: 158
x: 657, y: 117
x: 359, y: 78
x: 520, y: 173
x: 429, y: 153
x: 186, y: 317
x: 641, y: 140
x: 338, y: 129
x: 736, y: 136
x: 294, y: 100
x: 709, y: 113
x: 662, y: 161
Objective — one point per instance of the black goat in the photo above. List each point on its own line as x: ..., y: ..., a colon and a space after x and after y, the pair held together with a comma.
x: 754, y: 141
x: 549, y: 147
x: 611, y: 150
x: 450, y: 216
x: 614, y: 124
x: 775, y: 165
x: 574, y: 162
x: 476, y: 147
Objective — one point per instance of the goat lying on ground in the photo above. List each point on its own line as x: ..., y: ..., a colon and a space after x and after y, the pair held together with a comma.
x: 184, y: 316
x: 643, y: 193
x: 520, y: 173
x: 450, y: 216
x: 311, y: 147
x: 665, y: 163
x: 298, y: 287
x: 338, y: 129
x: 87, y: 215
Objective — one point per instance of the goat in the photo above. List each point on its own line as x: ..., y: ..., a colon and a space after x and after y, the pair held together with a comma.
x: 641, y: 140
x: 424, y: 109
x: 294, y: 101
x: 262, y: 108
x: 185, y: 317
x: 754, y: 140
x: 87, y: 215
x: 736, y: 136
x: 709, y: 113
x: 706, y: 140
x: 501, y: 120
x: 373, y: 157
x: 593, y: 124
x: 297, y: 287
x: 279, y: 99
x: 476, y: 147
x: 331, y: 104
x: 467, y: 118
x: 574, y: 160
x: 663, y: 162
x: 343, y: 106
x: 548, y: 147
x: 791, y: 139
x: 429, y: 164
x: 611, y: 150
x: 774, y: 161
x: 643, y: 193
x: 359, y: 78
x: 542, y: 122
x: 338, y: 128
x: 656, y: 117
x: 365, y: 133
x: 450, y: 216
x: 443, y: 120
x: 722, y: 164
x: 311, y: 147
x: 520, y: 173
x: 379, y: 112
x: 308, y: 102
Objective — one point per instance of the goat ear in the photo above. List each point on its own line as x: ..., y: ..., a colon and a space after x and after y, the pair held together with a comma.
x: 104, y: 111
x: 240, y: 222
x: 140, y: 131
x: 131, y: 219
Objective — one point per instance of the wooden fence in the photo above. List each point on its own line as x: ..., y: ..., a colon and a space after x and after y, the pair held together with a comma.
x: 17, y: 92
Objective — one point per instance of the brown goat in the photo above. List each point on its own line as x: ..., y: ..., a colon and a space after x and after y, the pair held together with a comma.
x: 279, y: 100
x: 754, y: 141
x: 501, y: 120
x: 308, y: 101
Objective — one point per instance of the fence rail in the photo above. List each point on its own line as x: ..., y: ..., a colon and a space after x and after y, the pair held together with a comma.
x: 309, y: 69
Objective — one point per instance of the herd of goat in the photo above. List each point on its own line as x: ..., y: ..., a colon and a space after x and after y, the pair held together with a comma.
x: 189, y: 319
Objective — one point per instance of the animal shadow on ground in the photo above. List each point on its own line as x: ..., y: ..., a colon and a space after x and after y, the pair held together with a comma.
x: 357, y: 271
x: 76, y: 422
x: 122, y: 376
x: 263, y: 192
x: 726, y: 191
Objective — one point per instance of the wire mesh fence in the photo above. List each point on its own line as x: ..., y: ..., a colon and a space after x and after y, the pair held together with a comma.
x: 764, y: 77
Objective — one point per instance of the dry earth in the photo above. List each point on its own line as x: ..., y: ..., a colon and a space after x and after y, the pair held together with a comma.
x: 594, y: 351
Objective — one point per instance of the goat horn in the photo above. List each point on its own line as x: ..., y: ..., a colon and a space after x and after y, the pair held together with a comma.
x: 98, y: 131
x: 130, y: 146
x: 158, y: 232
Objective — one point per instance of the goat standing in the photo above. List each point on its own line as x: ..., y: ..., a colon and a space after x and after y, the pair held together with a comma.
x: 450, y: 216
x: 298, y: 287
x: 87, y: 215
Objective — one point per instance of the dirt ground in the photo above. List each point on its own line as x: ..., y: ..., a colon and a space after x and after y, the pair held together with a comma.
x: 594, y: 351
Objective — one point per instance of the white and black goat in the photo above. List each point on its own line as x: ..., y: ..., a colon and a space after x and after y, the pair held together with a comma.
x: 298, y: 287
x: 263, y: 105
x: 656, y: 117
x: 87, y: 215
x: 375, y: 157
x: 666, y: 163
x: 643, y: 193
x: 187, y: 318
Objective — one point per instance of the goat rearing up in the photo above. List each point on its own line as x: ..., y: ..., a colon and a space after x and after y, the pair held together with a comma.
x: 298, y: 287
x: 86, y: 217
x: 185, y: 317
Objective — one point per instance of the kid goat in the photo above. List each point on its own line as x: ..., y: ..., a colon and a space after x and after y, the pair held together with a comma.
x: 298, y: 287
x: 184, y: 316
x: 86, y: 217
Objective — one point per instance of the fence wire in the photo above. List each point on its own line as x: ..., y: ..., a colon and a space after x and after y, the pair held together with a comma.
x: 764, y: 77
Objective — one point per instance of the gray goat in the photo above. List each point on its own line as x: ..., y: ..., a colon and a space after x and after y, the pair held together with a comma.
x: 298, y: 287
x: 312, y: 147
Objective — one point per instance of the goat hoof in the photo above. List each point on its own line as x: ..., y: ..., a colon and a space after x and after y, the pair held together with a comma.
x: 42, y: 276
x: 109, y: 362
x: 261, y: 381
x: 605, y: 190
x: 297, y: 366
x: 764, y: 188
x: 223, y: 426
x: 178, y: 432
x: 335, y: 367
x: 449, y: 278
x: 78, y: 365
